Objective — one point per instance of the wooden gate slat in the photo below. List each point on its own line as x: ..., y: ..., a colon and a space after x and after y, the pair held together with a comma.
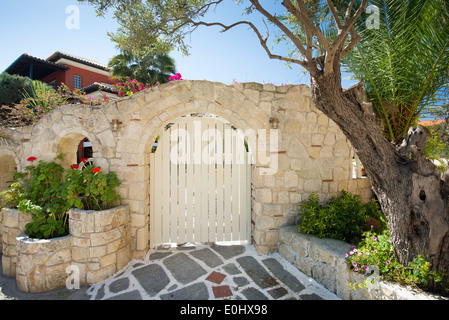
x: 220, y: 182
x: 166, y: 186
x: 190, y: 189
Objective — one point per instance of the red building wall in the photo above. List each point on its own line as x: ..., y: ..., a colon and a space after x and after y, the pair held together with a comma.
x: 87, y: 77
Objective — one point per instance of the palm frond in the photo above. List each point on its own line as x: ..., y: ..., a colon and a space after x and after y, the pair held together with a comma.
x: 404, y: 63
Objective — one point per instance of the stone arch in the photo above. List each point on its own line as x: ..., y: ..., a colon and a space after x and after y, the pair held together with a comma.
x: 68, y: 145
x: 172, y: 101
x: 185, y: 97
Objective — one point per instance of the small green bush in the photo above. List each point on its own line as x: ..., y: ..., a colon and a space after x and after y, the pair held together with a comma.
x: 47, y: 191
x: 344, y: 218
x: 12, y: 88
x: 11, y: 197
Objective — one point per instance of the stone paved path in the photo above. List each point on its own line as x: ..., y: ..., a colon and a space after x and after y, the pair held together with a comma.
x: 233, y: 272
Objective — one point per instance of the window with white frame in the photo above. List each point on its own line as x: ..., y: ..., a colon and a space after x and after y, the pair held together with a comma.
x: 77, y: 82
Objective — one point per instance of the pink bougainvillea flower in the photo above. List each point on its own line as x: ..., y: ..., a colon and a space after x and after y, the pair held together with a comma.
x: 95, y: 170
x: 387, y: 262
x: 31, y: 159
x: 74, y: 166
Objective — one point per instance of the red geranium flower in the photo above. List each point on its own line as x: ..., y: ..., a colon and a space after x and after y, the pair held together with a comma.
x: 84, y: 160
x: 74, y: 166
x: 31, y: 159
x: 95, y: 170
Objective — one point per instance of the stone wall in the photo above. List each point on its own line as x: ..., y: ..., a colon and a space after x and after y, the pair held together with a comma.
x: 7, y: 168
x: 313, y: 155
x: 324, y: 261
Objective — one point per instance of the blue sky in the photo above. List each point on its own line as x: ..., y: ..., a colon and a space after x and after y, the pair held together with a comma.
x: 39, y: 29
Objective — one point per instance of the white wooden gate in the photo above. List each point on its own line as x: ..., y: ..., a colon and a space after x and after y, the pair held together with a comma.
x: 200, y: 184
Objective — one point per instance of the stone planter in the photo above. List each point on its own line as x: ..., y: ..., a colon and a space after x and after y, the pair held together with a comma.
x: 13, y: 224
x: 101, y: 242
x: 42, y: 264
x: 323, y: 260
x: 98, y: 246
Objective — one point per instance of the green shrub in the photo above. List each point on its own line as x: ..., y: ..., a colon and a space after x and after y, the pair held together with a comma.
x: 11, y: 197
x: 90, y: 188
x: 42, y: 185
x: 12, y: 88
x: 47, y: 191
x: 344, y: 218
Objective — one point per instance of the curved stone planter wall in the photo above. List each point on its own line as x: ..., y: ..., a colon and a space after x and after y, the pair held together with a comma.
x: 42, y: 264
x: 101, y: 242
x: 98, y: 246
x: 323, y: 260
x: 13, y: 224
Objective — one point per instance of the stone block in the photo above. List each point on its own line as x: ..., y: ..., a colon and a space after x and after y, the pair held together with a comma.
x: 291, y: 179
x: 264, y: 195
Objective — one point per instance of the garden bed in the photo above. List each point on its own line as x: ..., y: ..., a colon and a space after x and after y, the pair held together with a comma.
x: 323, y: 260
x: 97, y: 247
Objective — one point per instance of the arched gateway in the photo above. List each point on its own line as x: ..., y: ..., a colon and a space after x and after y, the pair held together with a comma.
x: 200, y: 182
x: 295, y: 150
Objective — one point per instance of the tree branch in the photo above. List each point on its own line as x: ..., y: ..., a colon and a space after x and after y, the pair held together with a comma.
x: 263, y: 41
x: 302, y: 16
x: 334, y: 14
x: 332, y: 52
x: 349, y: 22
x: 355, y: 38
x: 281, y: 26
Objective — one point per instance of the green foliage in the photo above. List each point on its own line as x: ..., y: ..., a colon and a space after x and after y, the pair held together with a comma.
x: 41, y: 101
x: 47, y: 191
x: 435, y: 147
x: 42, y: 186
x: 147, y: 68
x: 51, y: 222
x: 404, y: 61
x: 10, y: 198
x: 90, y: 188
x: 41, y: 182
x: 344, y: 218
x: 38, y: 101
x: 12, y: 88
x: 376, y: 250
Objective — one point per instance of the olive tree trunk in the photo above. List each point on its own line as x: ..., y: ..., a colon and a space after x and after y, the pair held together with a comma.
x: 410, y: 190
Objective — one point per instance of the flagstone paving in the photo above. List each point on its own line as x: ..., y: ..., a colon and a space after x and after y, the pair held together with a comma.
x: 218, y: 272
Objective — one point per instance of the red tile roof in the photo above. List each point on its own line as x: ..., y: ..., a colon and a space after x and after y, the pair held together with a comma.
x: 431, y: 122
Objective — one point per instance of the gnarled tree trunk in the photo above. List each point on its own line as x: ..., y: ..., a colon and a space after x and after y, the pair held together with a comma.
x: 409, y: 188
